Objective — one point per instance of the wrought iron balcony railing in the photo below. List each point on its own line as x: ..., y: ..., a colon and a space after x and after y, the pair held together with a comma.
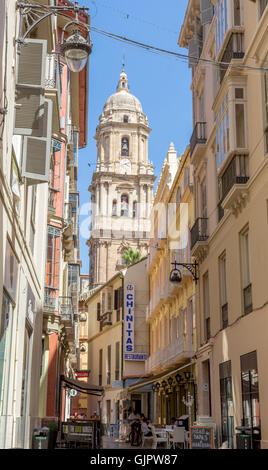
x: 199, y: 232
x: 66, y: 308
x: 198, y: 135
x: 235, y: 173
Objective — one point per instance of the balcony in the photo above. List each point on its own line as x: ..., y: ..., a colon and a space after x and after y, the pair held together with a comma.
x: 50, y: 301
x: 198, y: 141
x: 233, y: 183
x: 234, y: 50
x: 53, y: 88
x: 66, y: 310
x: 174, y: 353
x: 199, y: 238
x: 105, y: 320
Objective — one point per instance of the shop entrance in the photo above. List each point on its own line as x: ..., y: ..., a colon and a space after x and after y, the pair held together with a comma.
x: 136, y: 402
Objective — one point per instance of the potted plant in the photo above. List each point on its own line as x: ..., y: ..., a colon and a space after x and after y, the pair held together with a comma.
x: 53, y: 433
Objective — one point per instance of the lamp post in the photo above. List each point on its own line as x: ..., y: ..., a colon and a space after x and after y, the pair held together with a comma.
x: 188, y: 401
x: 76, y: 48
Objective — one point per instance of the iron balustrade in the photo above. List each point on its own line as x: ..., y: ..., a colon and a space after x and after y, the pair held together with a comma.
x: 198, y: 135
x: 66, y: 308
x: 199, y: 232
x: 247, y: 295
x: 235, y: 173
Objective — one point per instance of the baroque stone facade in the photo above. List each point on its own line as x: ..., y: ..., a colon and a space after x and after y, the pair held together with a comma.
x: 122, y: 185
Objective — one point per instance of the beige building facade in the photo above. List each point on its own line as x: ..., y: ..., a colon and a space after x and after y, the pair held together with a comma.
x: 104, y: 345
x: 122, y: 185
x: 171, y: 311
x: 229, y: 237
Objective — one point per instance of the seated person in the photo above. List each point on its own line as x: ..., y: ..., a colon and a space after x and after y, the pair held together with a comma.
x: 144, y: 427
x: 174, y: 422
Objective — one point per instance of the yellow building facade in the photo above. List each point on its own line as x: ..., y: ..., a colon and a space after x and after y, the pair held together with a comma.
x: 171, y: 311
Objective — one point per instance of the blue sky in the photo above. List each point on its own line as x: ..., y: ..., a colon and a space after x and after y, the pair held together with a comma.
x: 161, y: 83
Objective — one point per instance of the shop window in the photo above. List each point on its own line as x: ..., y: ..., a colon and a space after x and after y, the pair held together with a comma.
x: 250, y: 396
x: 227, y: 407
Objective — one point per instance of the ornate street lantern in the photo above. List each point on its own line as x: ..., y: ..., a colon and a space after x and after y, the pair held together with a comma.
x: 76, y: 50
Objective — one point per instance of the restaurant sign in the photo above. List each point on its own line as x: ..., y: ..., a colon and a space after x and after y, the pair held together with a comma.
x: 136, y: 357
x: 82, y: 373
x: 129, y: 318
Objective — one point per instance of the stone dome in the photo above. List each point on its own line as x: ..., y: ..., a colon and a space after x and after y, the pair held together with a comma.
x: 122, y: 99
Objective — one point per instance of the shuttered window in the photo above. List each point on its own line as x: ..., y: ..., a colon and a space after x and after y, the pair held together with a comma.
x: 36, y: 151
x: 30, y: 86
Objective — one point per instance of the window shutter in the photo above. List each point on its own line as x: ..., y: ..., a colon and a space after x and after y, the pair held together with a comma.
x: 36, y: 151
x: 206, y: 11
x: 30, y: 87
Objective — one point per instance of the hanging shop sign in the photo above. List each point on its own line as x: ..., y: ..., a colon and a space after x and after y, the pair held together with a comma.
x: 82, y: 373
x: 136, y: 357
x: 129, y: 318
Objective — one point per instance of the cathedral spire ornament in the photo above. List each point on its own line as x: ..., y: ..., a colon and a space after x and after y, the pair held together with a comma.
x: 123, y: 80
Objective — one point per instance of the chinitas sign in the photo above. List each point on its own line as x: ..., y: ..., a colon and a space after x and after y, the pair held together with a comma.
x: 129, y: 318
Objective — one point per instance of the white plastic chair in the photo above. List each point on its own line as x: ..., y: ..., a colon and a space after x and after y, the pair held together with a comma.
x: 178, y: 436
x: 160, y: 436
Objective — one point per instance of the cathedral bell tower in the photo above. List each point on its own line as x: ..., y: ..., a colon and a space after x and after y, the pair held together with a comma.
x: 122, y: 185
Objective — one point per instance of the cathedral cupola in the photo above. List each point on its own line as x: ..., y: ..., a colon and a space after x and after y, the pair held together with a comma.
x: 123, y: 81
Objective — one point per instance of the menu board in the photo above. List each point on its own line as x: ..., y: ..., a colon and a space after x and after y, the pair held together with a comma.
x: 201, y: 437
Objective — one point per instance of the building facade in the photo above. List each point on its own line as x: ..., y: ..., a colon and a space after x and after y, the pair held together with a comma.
x: 122, y: 185
x: 171, y: 312
x: 105, y: 345
x: 229, y: 237
x: 41, y: 104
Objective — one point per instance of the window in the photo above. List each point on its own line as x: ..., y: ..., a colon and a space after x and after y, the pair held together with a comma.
x: 98, y: 311
x: 109, y: 302
x: 227, y: 408
x: 117, y: 360
x: 108, y: 364
x: 245, y: 268
x: 262, y: 6
x: 100, y: 366
x: 125, y: 146
x: 114, y: 208
x: 53, y: 258
x: 223, y: 291
x: 178, y: 195
x: 203, y: 199
x: 5, y: 331
x: 134, y: 209
x: 223, y: 131
x: 206, y: 306
x: 231, y: 137
x: 124, y: 205
x: 250, y: 395
x: 125, y: 119
x: 228, y: 15
x: 265, y: 78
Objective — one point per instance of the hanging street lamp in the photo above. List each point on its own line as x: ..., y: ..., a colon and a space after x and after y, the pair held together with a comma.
x: 76, y: 48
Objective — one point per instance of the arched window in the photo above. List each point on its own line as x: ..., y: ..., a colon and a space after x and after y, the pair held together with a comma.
x: 124, y: 205
x: 114, y: 208
x: 135, y: 209
x: 125, y: 146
